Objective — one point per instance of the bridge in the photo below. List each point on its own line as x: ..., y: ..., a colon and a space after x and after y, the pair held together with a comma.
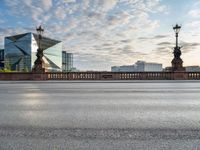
x: 101, y: 76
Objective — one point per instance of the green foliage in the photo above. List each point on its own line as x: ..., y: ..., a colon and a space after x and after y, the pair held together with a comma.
x: 5, y: 70
x: 7, y: 66
x: 26, y: 69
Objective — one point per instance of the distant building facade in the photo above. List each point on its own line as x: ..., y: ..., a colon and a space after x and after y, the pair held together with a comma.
x: 67, y: 62
x: 192, y: 69
x: 167, y: 69
x: 131, y: 68
x: 187, y: 69
x: 139, y: 66
x: 20, y: 52
x: 1, y: 58
x: 146, y: 66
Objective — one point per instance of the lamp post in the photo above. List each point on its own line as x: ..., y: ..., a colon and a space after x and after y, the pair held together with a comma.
x: 39, y: 63
x: 40, y: 31
x: 177, y: 29
x: 177, y: 63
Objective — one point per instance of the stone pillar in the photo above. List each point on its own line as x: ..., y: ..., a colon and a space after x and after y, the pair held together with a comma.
x: 39, y: 76
x: 180, y: 76
x: 177, y: 65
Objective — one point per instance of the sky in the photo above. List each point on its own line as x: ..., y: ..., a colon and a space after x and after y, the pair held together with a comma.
x: 105, y: 33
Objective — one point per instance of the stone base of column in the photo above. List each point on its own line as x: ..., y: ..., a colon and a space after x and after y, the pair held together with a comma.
x: 38, y: 70
x: 39, y: 76
x: 180, y: 76
x: 177, y: 65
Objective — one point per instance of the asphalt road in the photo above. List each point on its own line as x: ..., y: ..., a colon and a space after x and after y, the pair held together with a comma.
x: 100, y: 115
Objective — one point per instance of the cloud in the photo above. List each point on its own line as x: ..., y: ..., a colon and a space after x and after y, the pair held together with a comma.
x: 108, y: 4
x: 164, y: 51
x: 126, y: 41
x: 156, y: 37
x: 100, y: 30
x: 194, y: 13
x: 188, y: 47
x: 160, y: 36
x: 47, y: 4
x: 165, y: 44
x: 195, y: 24
x: 193, y: 17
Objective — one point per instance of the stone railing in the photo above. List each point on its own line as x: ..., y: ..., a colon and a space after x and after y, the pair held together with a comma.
x: 110, y: 76
x: 102, y: 76
x: 16, y: 76
x: 193, y: 75
x: 124, y: 76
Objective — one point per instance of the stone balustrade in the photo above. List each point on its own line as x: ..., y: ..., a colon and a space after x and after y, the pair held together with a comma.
x: 101, y: 76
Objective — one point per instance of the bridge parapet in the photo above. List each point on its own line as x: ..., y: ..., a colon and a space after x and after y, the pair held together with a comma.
x: 193, y: 76
x: 101, y: 76
x: 112, y: 76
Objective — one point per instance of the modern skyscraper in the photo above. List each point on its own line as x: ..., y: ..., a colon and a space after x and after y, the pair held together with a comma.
x: 67, y: 61
x: 20, y: 52
x: 1, y: 58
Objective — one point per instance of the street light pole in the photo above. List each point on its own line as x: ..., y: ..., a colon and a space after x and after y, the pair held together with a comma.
x: 176, y: 39
x: 177, y: 29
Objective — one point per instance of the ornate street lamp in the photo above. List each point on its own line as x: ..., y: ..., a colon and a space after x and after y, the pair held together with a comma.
x: 177, y: 29
x: 39, y: 63
x: 177, y: 63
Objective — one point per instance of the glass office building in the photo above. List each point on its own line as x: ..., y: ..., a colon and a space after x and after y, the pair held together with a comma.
x: 1, y: 58
x: 20, y: 52
x: 67, y: 61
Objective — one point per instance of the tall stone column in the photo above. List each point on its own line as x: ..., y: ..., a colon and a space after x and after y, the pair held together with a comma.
x: 177, y: 62
x: 39, y: 63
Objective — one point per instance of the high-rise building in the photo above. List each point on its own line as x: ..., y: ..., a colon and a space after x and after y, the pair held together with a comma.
x: 67, y: 61
x: 20, y: 52
x: 139, y: 66
x: 1, y: 58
